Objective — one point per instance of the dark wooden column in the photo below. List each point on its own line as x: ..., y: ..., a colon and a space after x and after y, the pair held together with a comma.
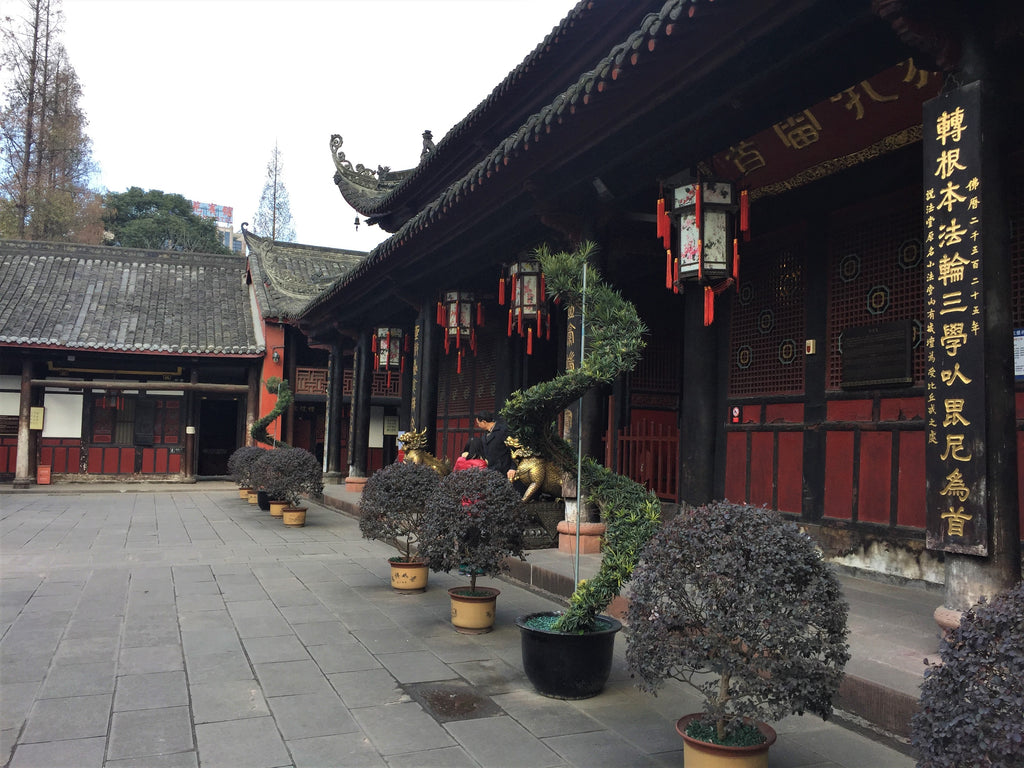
x: 23, y: 465
x: 191, y: 419
x: 425, y: 379
x: 332, y: 415
x: 968, y: 578
x: 252, y: 403
x: 362, y: 384
x: 700, y: 415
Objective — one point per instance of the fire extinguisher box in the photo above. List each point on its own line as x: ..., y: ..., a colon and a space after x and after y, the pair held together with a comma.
x: 43, y: 474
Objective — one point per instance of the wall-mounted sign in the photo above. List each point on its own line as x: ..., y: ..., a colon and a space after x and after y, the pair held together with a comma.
x: 35, y: 417
x: 954, y: 332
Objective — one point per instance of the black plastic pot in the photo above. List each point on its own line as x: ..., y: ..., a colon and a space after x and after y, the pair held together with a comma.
x: 567, y: 666
x: 263, y: 500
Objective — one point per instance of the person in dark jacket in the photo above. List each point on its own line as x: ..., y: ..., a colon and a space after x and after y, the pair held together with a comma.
x: 498, y: 455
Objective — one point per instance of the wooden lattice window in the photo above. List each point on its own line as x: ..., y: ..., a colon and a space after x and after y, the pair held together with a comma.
x: 767, y: 346
x: 311, y: 381
x: 876, y: 264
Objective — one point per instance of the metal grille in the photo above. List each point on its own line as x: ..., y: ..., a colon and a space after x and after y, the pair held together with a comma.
x: 767, y: 346
x: 876, y: 273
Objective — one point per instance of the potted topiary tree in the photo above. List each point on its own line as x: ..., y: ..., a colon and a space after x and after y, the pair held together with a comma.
x: 972, y: 702
x: 391, y: 510
x: 740, y: 605
x: 240, y: 465
x: 473, y: 522
x: 569, y: 654
x: 290, y: 474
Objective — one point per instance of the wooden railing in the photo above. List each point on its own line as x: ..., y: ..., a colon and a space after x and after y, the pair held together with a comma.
x: 649, y: 454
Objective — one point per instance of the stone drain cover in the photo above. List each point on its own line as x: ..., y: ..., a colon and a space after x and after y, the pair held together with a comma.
x: 452, y: 700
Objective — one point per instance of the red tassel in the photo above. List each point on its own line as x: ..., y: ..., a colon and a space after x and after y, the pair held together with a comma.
x: 709, y: 306
x: 548, y: 336
x: 405, y: 343
x: 540, y: 327
x: 745, y: 213
x: 529, y: 341
x: 440, y: 313
x: 509, y: 331
x: 458, y: 338
x: 668, y: 269
x: 389, y: 378
x: 480, y: 313
x: 697, y: 201
x: 458, y: 362
x: 447, y: 342
x: 700, y: 259
x: 512, y: 290
x: 736, y: 261
x: 519, y: 322
x: 472, y: 340
x: 501, y: 291
x: 543, y: 288
x: 659, y: 215
x: 675, y: 283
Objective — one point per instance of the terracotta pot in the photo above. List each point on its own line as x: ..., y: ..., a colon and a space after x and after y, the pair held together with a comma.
x: 701, y: 754
x: 277, y: 508
x: 567, y: 666
x: 294, y: 517
x: 253, y: 497
x: 408, y: 577
x: 473, y: 613
x: 243, y: 493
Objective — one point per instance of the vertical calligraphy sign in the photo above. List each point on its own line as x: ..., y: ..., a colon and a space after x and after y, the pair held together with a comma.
x: 955, y: 463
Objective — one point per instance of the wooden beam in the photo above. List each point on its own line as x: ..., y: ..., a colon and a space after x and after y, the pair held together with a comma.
x: 171, y: 386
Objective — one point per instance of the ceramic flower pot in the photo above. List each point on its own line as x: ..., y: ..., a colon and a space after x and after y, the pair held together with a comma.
x: 567, y: 666
x: 408, y: 577
x: 473, y: 610
x: 294, y: 517
x: 277, y: 508
x: 702, y: 754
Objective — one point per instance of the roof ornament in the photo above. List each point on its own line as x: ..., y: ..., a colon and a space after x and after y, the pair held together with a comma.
x: 380, y: 179
x: 428, y: 145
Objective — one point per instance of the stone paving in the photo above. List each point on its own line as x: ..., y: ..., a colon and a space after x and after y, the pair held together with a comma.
x: 186, y: 628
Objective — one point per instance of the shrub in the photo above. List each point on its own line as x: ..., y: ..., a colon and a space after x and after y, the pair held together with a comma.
x: 474, y: 520
x: 972, y: 703
x: 391, y: 507
x: 240, y: 464
x: 286, y: 474
x: 735, y: 591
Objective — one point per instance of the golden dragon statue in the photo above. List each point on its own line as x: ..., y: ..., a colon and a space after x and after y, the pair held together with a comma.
x: 414, y: 444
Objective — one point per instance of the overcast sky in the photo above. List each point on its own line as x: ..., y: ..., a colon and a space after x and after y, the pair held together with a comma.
x: 189, y: 96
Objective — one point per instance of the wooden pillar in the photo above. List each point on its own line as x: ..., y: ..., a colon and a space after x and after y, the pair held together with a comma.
x: 23, y: 465
x: 700, y: 410
x: 425, y: 388
x: 332, y: 414
x: 969, y: 577
x: 191, y: 418
x: 252, y: 403
x: 359, y: 427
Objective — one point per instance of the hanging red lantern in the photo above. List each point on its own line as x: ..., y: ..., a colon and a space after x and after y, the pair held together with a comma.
x: 387, y: 351
x: 704, y: 212
x: 459, y: 313
x: 528, y: 307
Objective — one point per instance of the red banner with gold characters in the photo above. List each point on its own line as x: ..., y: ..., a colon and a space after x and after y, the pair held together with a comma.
x: 954, y: 328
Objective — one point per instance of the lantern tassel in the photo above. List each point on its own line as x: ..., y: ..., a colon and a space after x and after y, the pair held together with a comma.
x: 700, y: 259
x: 659, y: 214
x: 472, y: 340
x: 509, y: 331
x: 519, y: 322
x: 458, y: 362
x: 543, y: 288
x: 447, y: 337
x: 709, y: 305
x: 529, y: 341
x: 668, y: 269
x: 548, y: 336
x: 736, y: 261
x: 501, y: 291
x: 675, y: 283
x: 440, y: 313
x: 480, y: 313
x: 745, y: 214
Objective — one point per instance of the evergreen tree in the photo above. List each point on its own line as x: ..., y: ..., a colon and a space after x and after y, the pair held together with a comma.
x: 47, y: 157
x: 273, y: 219
x: 158, y: 220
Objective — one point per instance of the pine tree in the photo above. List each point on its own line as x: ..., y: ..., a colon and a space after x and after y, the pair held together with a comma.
x: 274, y: 217
x: 47, y: 157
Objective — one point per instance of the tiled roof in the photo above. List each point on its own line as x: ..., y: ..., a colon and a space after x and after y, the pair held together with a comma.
x: 590, y: 86
x: 124, y: 300
x: 545, y: 70
x: 286, y: 276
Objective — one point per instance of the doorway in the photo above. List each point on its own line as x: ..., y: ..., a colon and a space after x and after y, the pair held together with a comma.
x: 218, y: 436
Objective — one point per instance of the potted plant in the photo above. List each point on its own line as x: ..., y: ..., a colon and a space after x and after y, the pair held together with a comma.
x: 269, y: 483
x: 391, y: 510
x: 971, y: 703
x: 290, y: 474
x: 740, y: 605
x: 569, y: 654
x: 240, y: 466
x: 473, y: 521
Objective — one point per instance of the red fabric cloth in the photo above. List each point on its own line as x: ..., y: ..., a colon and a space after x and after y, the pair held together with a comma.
x: 464, y: 463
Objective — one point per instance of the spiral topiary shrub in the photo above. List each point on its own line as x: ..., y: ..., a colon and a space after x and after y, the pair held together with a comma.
x: 392, y: 504
x: 474, y: 520
x: 739, y: 604
x: 971, y: 710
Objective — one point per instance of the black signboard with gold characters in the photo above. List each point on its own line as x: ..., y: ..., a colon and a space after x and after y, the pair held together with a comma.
x: 954, y: 327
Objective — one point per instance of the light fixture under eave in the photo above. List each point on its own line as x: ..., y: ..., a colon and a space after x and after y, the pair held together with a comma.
x: 706, y: 240
x: 460, y: 314
x: 528, y: 306
x: 388, y: 347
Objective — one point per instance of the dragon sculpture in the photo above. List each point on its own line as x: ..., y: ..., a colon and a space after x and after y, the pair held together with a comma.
x: 414, y: 444
x: 539, y: 474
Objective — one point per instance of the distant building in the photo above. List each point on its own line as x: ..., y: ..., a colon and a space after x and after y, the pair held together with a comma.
x: 223, y: 215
